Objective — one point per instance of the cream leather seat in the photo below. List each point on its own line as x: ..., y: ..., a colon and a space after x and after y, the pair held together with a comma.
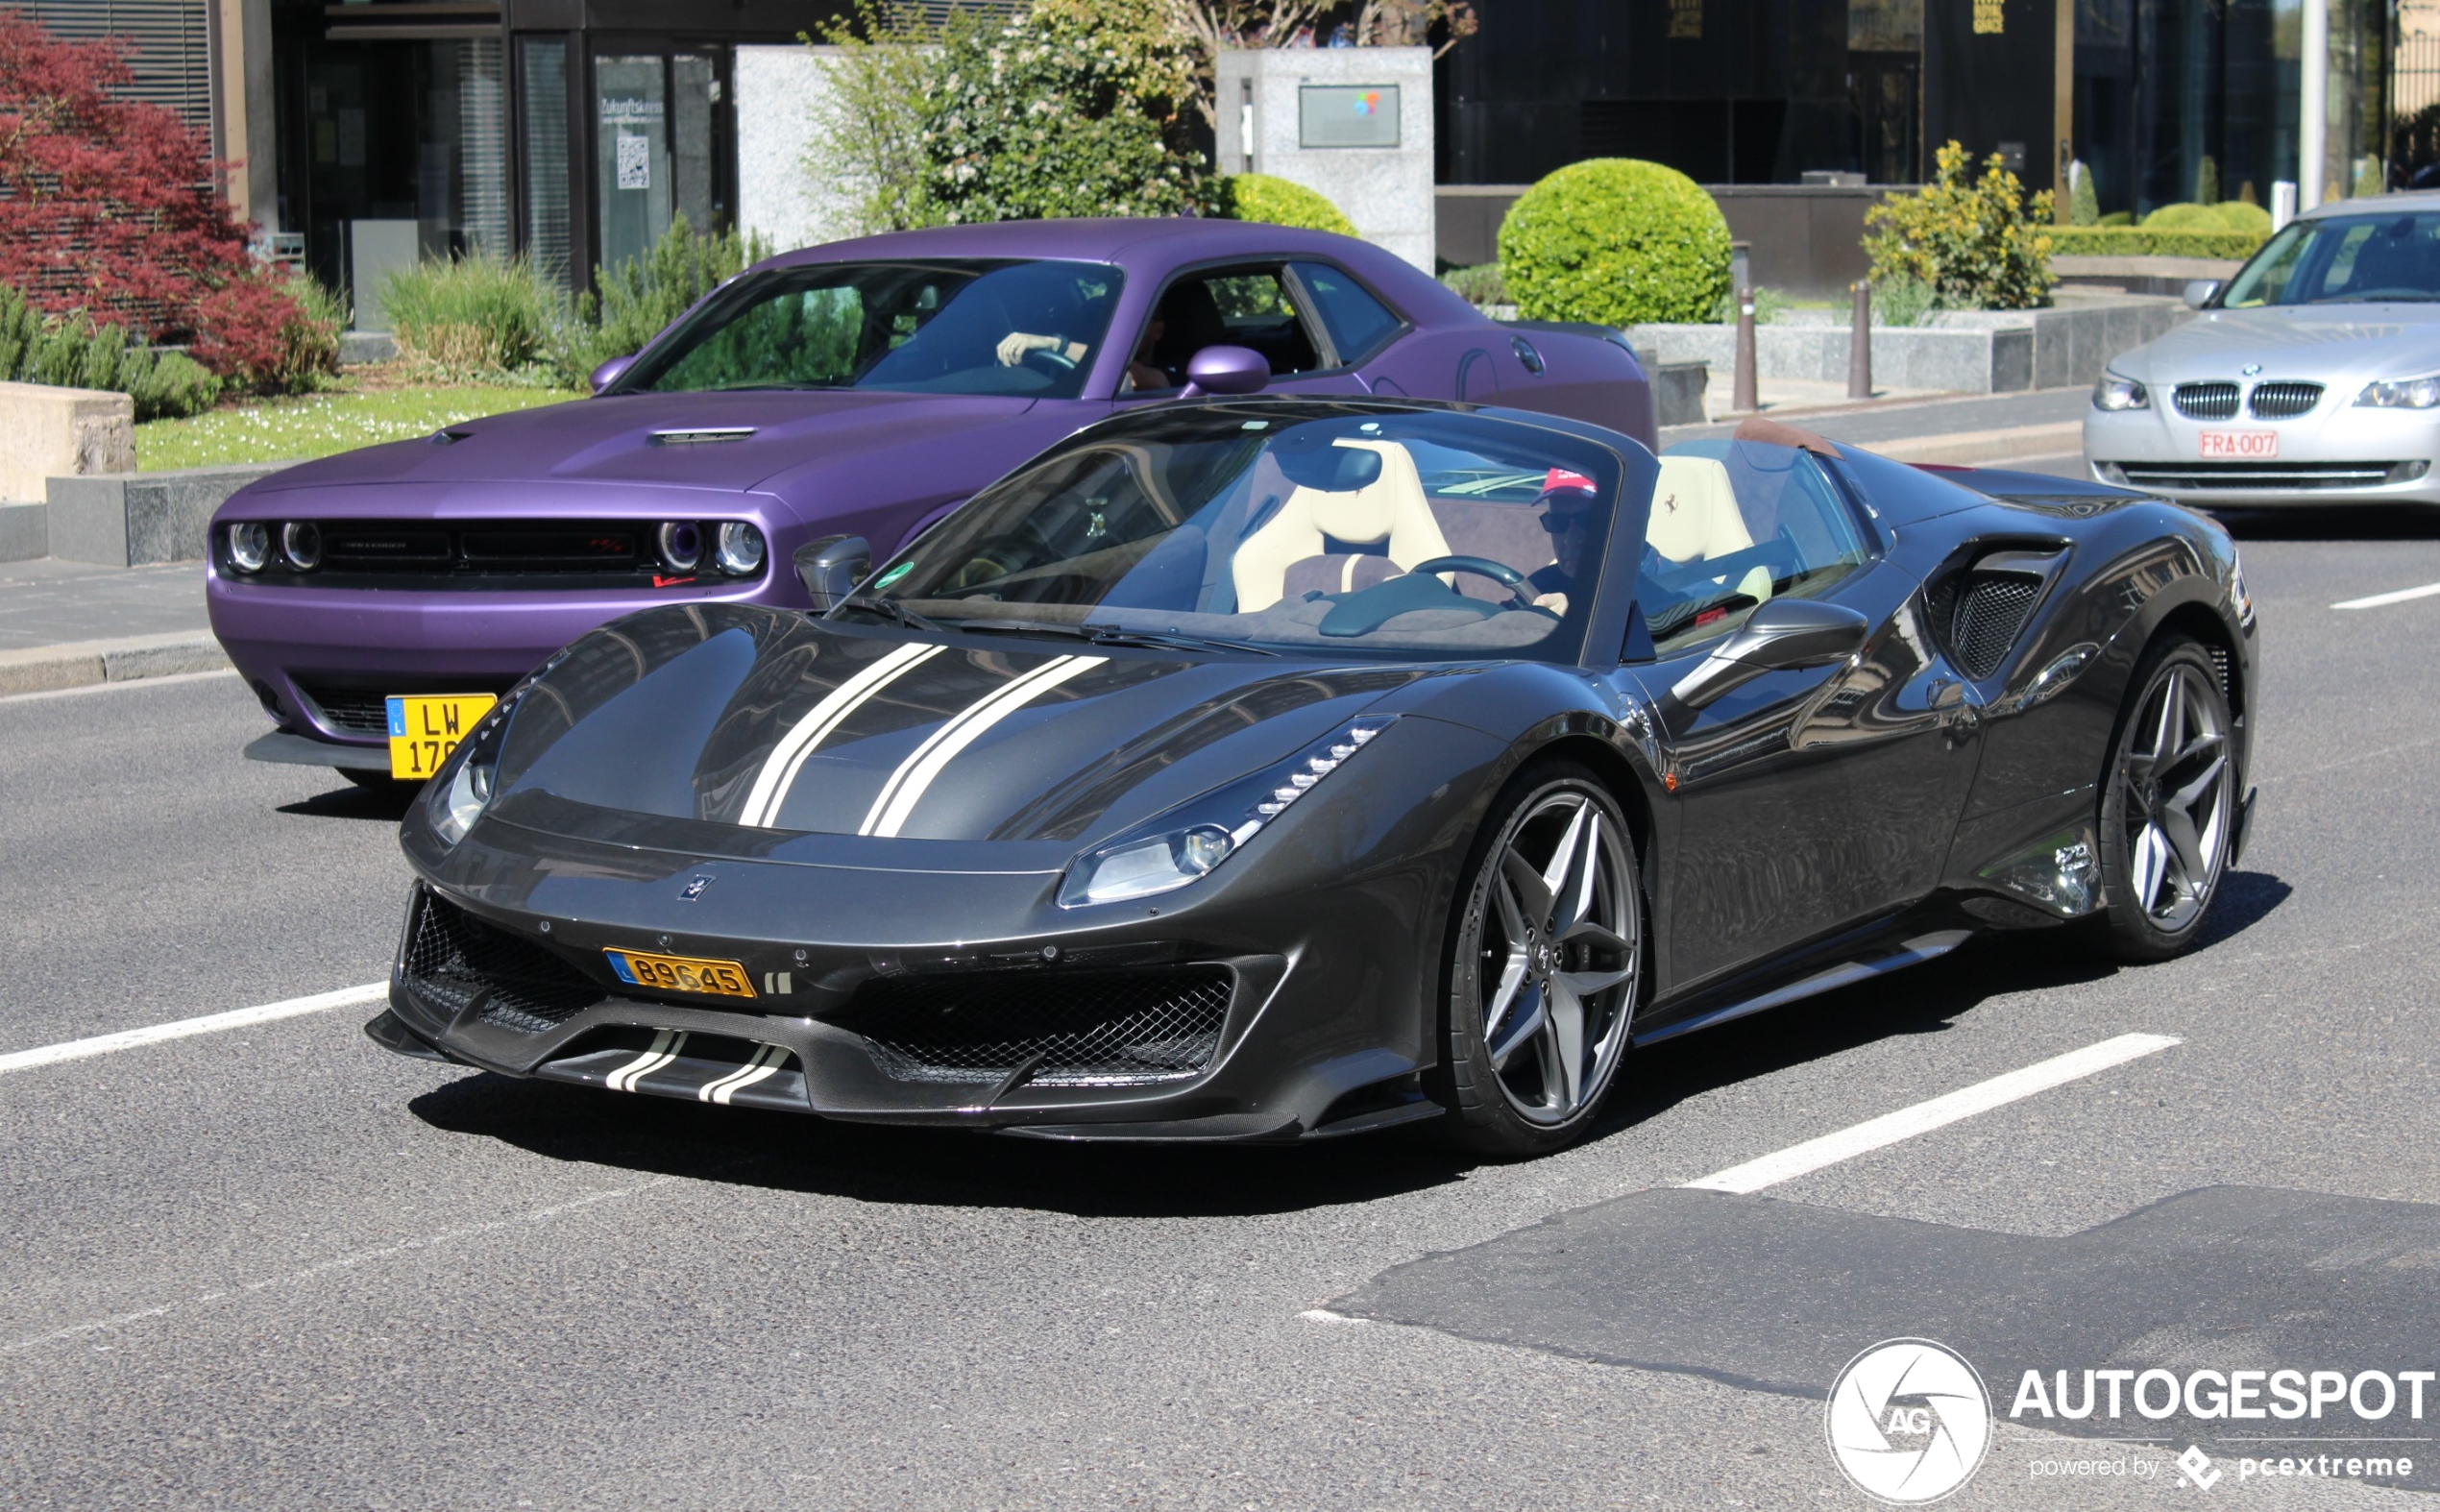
x: 1390, y: 510
x: 1696, y: 518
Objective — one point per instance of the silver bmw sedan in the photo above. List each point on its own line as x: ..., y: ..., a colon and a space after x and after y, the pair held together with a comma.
x: 2311, y: 377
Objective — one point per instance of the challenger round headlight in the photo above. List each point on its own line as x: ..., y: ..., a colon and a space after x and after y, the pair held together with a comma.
x: 681, y: 542
x: 2423, y: 393
x: 738, y: 549
x: 301, y: 543
x: 249, y: 546
x: 2116, y: 393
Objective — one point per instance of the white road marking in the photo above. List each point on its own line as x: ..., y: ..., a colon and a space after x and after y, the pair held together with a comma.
x: 788, y: 755
x: 915, y: 775
x: 1906, y: 1123
x: 2401, y: 595
x: 208, y: 1024
x: 1326, y: 1315
x: 82, y: 689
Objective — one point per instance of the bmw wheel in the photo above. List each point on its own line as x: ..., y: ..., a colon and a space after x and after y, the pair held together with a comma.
x: 1545, y: 963
x: 2168, y: 805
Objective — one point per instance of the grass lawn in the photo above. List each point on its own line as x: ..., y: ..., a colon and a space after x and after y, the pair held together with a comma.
x: 372, y: 406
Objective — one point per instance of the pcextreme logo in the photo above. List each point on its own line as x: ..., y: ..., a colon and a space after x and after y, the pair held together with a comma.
x: 1908, y: 1421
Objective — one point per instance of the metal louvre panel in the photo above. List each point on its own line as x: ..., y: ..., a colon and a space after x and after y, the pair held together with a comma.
x: 2255, y: 475
x: 2206, y: 401
x: 167, y: 44
x: 2282, y: 401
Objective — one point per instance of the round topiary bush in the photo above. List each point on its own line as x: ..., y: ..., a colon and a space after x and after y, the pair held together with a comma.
x: 2238, y: 216
x: 1617, y: 241
x: 1276, y: 202
x: 2183, y: 216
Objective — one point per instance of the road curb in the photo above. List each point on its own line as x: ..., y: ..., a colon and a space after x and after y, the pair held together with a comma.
x: 80, y: 664
x: 1972, y: 447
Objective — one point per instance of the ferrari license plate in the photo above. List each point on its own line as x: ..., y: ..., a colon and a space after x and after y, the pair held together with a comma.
x: 2241, y: 446
x: 680, y: 973
x: 424, y: 729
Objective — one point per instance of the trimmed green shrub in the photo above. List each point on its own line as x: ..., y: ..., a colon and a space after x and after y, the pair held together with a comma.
x: 1902, y: 300
x: 1481, y: 286
x: 75, y: 353
x: 2206, y: 180
x: 638, y: 299
x: 2118, y: 218
x: 2243, y: 216
x: 1617, y: 241
x: 2183, y: 216
x: 1277, y: 201
x: 2083, y: 202
x: 2144, y: 241
x: 1980, y: 243
x: 471, y: 316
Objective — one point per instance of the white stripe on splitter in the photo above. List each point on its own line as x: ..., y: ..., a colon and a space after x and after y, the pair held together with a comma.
x: 915, y: 775
x: 788, y: 756
x: 766, y: 1062
x: 2395, y: 596
x: 181, y: 1029
x: 1873, y: 1134
x: 665, y: 1045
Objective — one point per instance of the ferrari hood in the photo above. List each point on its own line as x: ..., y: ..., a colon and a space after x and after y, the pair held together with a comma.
x: 740, y: 719
x: 2329, y: 342
x: 729, y: 442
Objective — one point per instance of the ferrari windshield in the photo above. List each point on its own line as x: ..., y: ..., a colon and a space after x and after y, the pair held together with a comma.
x: 978, y: 327
x: 2334, y: 259
x: 1263, y: 527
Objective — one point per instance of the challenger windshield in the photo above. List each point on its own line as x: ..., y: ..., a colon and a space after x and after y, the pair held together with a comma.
x: 2344, y: 259
x: 945, y: 327
x: 1337, y: 530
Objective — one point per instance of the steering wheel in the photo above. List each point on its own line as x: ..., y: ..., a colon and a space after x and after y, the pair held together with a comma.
x: 1059, y: 361
x: 1520, y: 591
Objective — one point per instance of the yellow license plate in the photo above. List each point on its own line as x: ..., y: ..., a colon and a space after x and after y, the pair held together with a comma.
x: 425, y: 729
x: 680, y: 973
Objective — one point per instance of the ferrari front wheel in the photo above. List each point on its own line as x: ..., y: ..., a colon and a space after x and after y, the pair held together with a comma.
x: 1546, y: 959
x: 2168, y: 808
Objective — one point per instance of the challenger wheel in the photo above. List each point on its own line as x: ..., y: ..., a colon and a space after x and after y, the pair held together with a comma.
x: 2168, y: 805
x: 1546, y: 959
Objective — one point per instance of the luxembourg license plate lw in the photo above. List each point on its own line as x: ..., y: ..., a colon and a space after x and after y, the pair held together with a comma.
x: 680, y: 973
x: 2241, y: 446
x: 425, y: 729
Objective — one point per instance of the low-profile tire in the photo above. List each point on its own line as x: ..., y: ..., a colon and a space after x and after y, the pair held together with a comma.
x: 368, y: 777
x: 1545, y: 966
x: 2169, y: 804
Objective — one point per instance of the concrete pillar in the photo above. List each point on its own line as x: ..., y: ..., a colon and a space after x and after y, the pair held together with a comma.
x: 2312, y: 103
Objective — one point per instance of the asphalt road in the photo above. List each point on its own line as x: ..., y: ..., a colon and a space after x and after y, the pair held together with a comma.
x: 277, y: 1267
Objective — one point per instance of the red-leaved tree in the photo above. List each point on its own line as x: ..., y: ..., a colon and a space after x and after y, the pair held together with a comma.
x: 109, y: 205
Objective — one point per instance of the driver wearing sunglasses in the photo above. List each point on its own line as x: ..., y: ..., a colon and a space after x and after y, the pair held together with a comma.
x: 1567, y: 503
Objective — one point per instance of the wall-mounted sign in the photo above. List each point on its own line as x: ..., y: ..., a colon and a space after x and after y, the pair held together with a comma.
x: 1347, y: 115
x: 1988, y: 20
x: 1686, y: 20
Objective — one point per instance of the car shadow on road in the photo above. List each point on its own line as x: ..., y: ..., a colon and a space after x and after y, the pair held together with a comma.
x: 884, y: 1163
x: 2365, y: 523
x: 346, y: 801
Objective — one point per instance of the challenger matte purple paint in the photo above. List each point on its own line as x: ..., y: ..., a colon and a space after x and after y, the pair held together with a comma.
x: 319, y: 646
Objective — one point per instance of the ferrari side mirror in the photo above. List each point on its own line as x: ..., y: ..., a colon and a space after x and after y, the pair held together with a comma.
x: 611, y: 372
x: 1780, y: 636
x: 831, y: 566
x: 2199, y: 292
x: 1226, y: 370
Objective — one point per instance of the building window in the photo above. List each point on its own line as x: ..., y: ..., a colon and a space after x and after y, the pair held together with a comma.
x: 543, y: 65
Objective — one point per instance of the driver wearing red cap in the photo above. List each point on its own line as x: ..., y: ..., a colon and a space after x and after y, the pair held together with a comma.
x: 1567, y: 503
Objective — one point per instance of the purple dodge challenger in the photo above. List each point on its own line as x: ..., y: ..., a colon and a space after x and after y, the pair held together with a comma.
x: 861, y: 388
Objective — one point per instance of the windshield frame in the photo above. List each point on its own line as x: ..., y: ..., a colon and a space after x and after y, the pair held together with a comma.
x: 734, y: 295
x: 1598, y: 647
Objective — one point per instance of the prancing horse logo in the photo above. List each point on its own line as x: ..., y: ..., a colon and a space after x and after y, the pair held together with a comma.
x: 693, y: 889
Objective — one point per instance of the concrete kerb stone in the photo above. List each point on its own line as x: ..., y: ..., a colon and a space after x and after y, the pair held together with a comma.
x: 79, y: 664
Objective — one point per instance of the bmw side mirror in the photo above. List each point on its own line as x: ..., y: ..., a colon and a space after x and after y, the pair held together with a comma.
x: 1782, y: 635
x: 611, y: 372
x: 1226, y: 370
x: 2199, y: 292
x: 831, y: 566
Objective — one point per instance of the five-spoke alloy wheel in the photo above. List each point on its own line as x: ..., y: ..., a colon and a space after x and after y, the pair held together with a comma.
x: 1546, y: 959
x: 2168, y: 809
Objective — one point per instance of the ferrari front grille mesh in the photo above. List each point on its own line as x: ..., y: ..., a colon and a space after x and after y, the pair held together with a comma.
x: 2206, y: 401
x: 2282, y: 401
x: 1991, y: 609
x: 453, y: 956
x: 1118, y: 1028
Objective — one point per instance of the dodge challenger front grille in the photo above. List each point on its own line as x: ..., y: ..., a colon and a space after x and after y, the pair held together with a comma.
x: 353, y: 708
x: 453, y: 957
x: 1113, y: 1028
x: 2206, y: 401
x: 2282, y: 401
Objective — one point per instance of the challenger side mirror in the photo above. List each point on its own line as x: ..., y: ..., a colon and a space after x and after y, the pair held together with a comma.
x: 1782, y: 635
x: 1226, y: 370
x: 2199, y: 291
x: 611, y: 372
x: 831, y: 566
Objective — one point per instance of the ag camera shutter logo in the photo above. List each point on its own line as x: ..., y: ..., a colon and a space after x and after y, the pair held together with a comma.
x: 1908, y: 1421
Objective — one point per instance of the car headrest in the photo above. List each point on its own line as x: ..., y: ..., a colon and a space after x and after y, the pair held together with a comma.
x: 1309, y: 459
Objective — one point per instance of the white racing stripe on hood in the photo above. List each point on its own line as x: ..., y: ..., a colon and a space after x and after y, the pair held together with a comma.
x: 786, y: 759
x: 915, y: 775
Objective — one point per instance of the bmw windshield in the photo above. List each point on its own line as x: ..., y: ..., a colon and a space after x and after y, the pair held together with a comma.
x: 1337, y: 530
x: 932, y: 327
x: 2343, y: 260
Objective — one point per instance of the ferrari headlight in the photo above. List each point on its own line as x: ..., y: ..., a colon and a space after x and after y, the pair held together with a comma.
x: 2237, y: 596
x: 455, y: 809
x: 1186, y: 844
x: 2420, y: 393
x: 2114, y: 393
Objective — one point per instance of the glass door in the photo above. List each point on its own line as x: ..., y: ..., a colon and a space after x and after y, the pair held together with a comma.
x: 657, y: 139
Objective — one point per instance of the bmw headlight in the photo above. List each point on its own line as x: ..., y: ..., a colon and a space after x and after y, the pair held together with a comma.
x: 2421, y: 393
x: 1185, y: 844
x: 2113, y: 392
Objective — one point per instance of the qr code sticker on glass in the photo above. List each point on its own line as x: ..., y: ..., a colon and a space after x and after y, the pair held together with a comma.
x: 635, y: 162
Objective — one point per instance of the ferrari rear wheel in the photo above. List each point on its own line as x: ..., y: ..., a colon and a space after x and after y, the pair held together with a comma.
x: 1547, y: 957
x: 2168, y: 808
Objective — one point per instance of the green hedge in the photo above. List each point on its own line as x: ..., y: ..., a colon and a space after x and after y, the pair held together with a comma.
x: 75, y: 353
x: 1277, y: 201
x: 2142, y: 241
x: 1616, y: 241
